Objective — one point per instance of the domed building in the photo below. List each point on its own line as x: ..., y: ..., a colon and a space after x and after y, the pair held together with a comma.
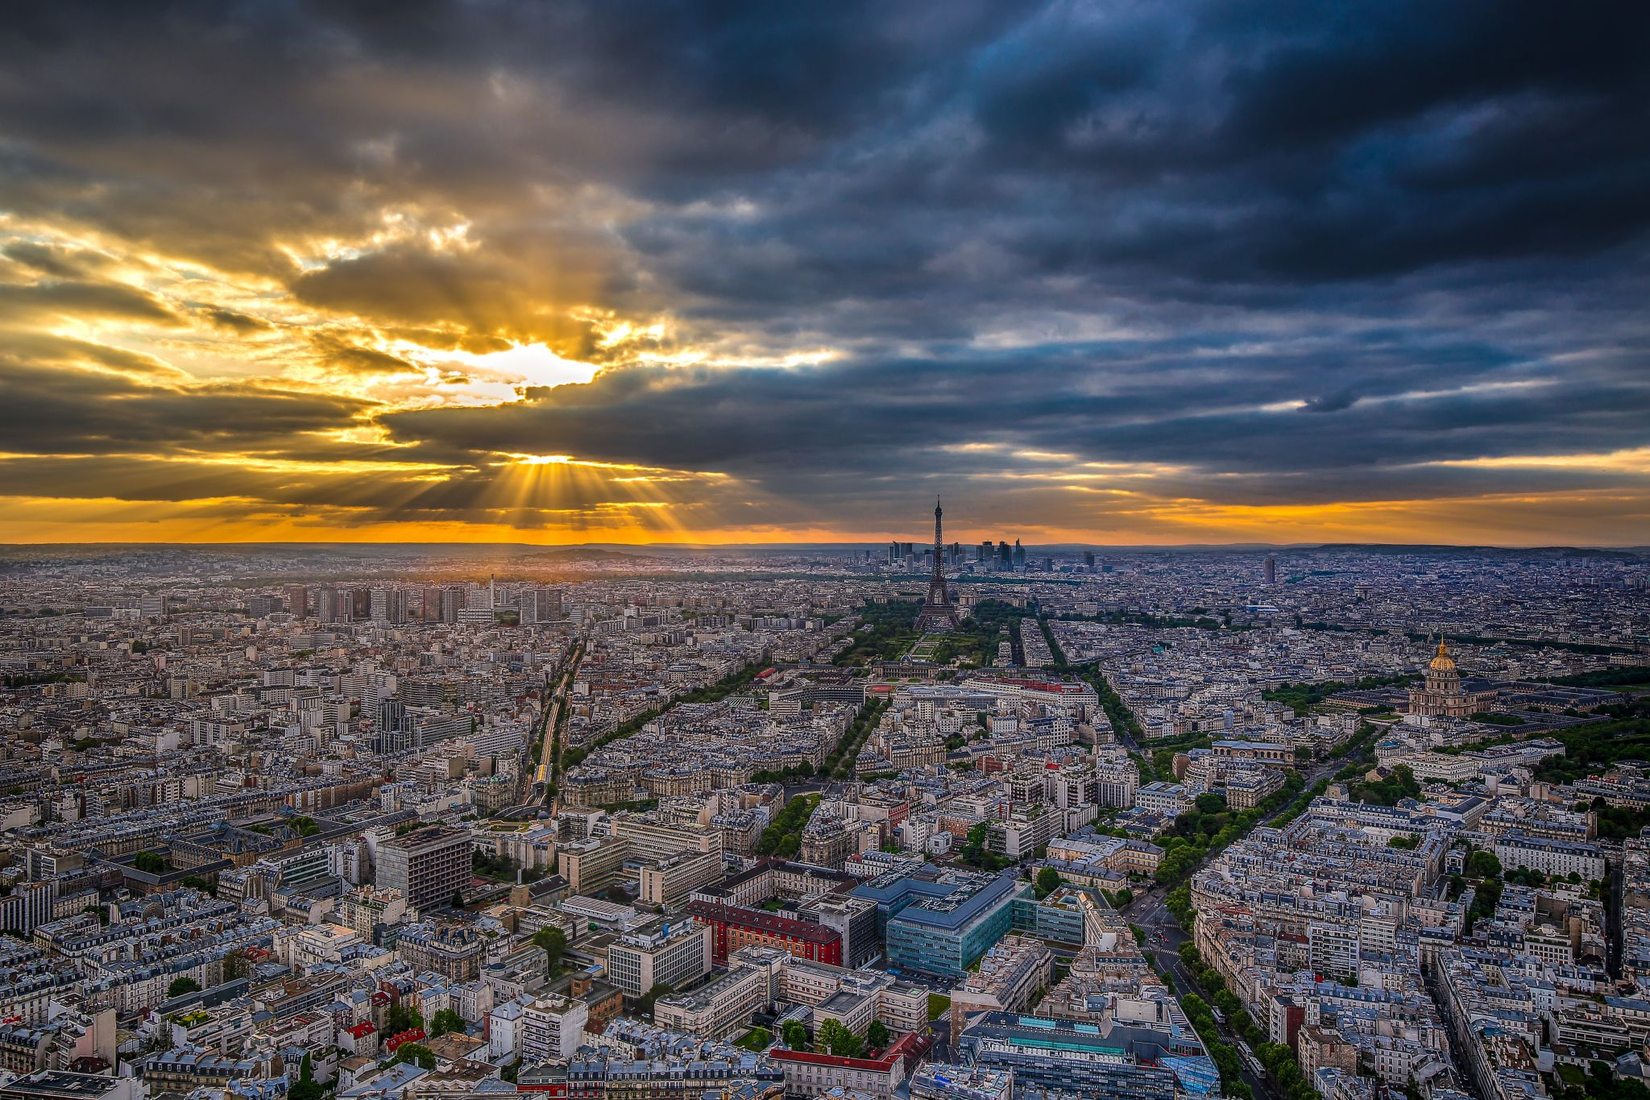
x: 1442, y: 695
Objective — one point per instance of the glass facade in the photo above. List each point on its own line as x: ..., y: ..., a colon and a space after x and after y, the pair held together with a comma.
x: 945, y: 935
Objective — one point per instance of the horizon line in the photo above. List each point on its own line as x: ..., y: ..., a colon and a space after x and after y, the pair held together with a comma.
x: 856, y: 544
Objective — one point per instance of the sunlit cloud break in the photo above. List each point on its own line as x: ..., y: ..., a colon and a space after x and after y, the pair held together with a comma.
x: 1097, y: 273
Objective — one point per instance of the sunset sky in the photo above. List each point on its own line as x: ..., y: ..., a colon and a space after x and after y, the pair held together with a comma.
x: 564, y: 272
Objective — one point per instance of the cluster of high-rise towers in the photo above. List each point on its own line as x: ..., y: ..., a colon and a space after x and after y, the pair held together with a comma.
x: 987, y: 556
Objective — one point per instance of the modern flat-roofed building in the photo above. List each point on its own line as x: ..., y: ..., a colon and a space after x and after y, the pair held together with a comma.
x: 1165, y: 798
x: 941, y: 922
x: 653, y: 838
x: 1125, y: 1061
x: 552, y: 1028
x: 719, y: 1010
x: 941, y: 1081
x: 56, y: 1084
x: 428, y: 865
x: 592, y: 865
x: 673, y: 952
x: 854, y: 919
x: 673, y: 878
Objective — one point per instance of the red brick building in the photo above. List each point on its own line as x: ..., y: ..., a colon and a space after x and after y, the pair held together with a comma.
x: 733, y: 927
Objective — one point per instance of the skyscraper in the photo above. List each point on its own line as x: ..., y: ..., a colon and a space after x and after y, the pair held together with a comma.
x: 388, y: 605
x: 1271, y: 570
x: 335, y: 605
x: 937, y: 612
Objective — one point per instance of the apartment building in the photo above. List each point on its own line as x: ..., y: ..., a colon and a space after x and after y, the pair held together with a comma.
x: 428, y: 866
x: 551, y: 1028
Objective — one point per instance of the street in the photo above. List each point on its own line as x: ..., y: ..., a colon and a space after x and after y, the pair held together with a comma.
x: 1164, y: 937
x: 546, y: 771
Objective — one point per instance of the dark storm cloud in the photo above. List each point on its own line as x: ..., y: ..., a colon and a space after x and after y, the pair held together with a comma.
x: 54, y: 261
x: 360, y: 360
x: 66, y: 298
x: 796, y: 433
x: 1287, y: 252
x: 55, y: 410
x: 235, y: 321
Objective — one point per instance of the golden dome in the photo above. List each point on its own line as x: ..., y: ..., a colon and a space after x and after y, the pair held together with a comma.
x: 1442, y: 661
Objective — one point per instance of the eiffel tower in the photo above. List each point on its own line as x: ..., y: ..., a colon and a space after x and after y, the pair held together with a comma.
x: 937, y: 612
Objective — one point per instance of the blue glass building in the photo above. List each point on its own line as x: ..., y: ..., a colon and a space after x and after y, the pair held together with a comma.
x: 1122, y: 1061
x: 941, y: 922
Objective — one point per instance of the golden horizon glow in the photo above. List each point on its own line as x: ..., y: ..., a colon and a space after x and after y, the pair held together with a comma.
x: 1509, y: 520
x: 168, y: 324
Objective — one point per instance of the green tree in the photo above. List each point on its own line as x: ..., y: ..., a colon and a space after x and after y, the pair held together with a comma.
x: 974, y: 853
x: 794, y: 1035
x: 1483, y: 864
x: 1400, y: 784
x: 183, y: 985
x: 445, y: 1022
x: 838, y: 1040
x: 877, y: 1035
x: 553, y: 942
x: 416, y: 1053
x: 235, y: 965
x: 306, y: 1087
x: 1048, y: 881
x: 401, y: 1018
x: 152, y: 863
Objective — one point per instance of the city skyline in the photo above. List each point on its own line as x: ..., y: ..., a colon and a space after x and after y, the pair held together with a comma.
x: 1098, y: 274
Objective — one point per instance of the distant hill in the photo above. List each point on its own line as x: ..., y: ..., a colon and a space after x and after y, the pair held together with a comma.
x: 581, y: 553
